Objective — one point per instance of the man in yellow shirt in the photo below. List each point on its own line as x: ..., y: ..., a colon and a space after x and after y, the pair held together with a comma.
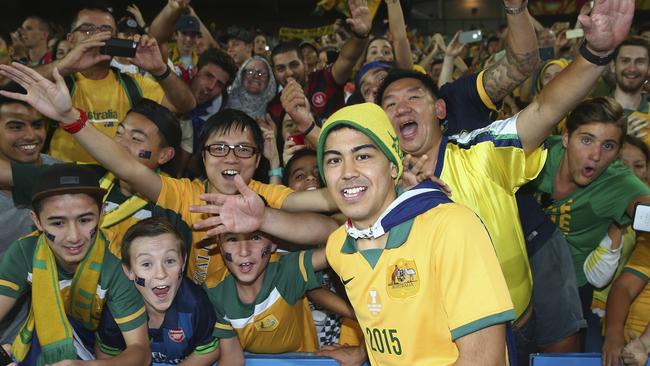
x: 104, y: 93
x: 412, y: 265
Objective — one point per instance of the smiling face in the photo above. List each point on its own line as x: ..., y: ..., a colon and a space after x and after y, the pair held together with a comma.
x: 221, y: 170
x: 633, y: 158
x: 246, y: 256
x: 379, y: 49
x: 22, y: 133
x: 255, y: 76
x: 187, y: 42
x: 288, y: 64
x: 156, y: 267
x: 359, y: 177
x: 141, y: 138
x: 303, y: 175
x: 209, y: 82
x: 590, y: 149
x: 631, y: 67
x: 70, y: 223
x: 415, y: 115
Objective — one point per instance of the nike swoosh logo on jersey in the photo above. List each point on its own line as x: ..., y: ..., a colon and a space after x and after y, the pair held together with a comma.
x: 345, y: 282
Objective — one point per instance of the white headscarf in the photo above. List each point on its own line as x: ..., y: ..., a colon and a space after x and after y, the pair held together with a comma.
x: 252, y: 104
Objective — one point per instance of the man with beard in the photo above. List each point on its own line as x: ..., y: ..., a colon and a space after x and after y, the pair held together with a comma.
x: 630, y: 68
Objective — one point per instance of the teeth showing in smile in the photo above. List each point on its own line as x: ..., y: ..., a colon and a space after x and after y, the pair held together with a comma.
x: 230, y: 172
x: 351, y: 192
x: 28, y: 147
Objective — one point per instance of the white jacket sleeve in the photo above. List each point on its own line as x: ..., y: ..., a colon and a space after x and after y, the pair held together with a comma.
x: 600, y: 266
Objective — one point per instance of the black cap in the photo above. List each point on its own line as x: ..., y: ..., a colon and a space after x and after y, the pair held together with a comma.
x: 188, y: 23
x: 66, y: 178
x: 162, y: 117
x: 238, y: 33
x: 129, y: 25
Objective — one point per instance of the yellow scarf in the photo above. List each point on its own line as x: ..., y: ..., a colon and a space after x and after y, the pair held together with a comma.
x: 50, y: 305
x: 125, y: 210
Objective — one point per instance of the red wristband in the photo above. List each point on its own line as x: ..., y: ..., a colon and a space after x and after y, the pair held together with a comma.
x: 77, y: 125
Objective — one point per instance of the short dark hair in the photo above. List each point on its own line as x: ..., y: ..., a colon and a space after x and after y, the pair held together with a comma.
x: 91, y: 5
x: 43, y: 24
x: 169, y: 129
x: 228, y: 120
x: 600, y: 110
x: 284, y: 47
x: 634, y: 41
x: 397, y: 74
x: 219, y: 58
x: 639, y: 144
x: 148, y: 228
x: 299, y: 154
x: 14, y: 88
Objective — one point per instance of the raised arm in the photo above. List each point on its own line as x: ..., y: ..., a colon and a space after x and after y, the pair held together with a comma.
x: 401, y: 45
x: 360, y: 24
x: 178, y: 96
x: 164, y: 24
x: 246, y: 212
x: 53, y: 101
x: 522, y: 55
x: 606, y: 27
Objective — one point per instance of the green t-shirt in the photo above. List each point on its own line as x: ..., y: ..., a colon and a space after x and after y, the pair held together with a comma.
x: 277, y: 321
x: 584, y: 215
x: 122, y: 298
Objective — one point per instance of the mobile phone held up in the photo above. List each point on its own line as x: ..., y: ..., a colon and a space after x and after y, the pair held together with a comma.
x: 298, y: 138
x: 470, y: 37
x: 119, y: 47
x: 641, y: 217
x: 5, y: 359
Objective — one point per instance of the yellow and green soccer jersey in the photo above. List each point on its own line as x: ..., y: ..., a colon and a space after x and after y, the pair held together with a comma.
x: 639, y: 265
x: 437, y: 280
x: 484, y: 170
x: 106, y: 102
x: 279, y: 320
x: 179, y: 194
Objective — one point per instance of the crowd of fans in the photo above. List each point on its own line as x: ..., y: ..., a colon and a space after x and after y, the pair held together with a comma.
x: 174, y: 198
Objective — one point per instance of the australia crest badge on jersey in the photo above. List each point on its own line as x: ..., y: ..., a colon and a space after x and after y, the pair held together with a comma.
x: 402, y: 279
x: 176, y: 335
x: 267, y: 324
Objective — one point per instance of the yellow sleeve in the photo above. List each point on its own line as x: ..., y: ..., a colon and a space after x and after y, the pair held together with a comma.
x: 178, y: 195
x: 150, y: 88
x: 274, y: 194
x: 496, y: 152
x: 639, y: 263
x: 467, y: 269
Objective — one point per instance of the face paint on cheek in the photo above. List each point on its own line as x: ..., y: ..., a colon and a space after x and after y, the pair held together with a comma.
x: 49, y: 236
x: 267, y: 251
x: 144, y: 154
x: 139, y: 281
x: 227, y: 256
x: 92, y: 233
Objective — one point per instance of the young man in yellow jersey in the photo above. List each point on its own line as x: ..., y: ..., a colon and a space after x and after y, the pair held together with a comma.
x: 412, y: 265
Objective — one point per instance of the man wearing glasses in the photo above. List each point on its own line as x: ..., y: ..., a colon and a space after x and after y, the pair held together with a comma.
x: 105, y: 94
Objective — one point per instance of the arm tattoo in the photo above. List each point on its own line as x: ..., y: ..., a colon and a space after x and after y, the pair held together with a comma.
x: 504, y: 76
